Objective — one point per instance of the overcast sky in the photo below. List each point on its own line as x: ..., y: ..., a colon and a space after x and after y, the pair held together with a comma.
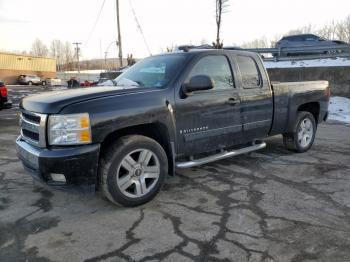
x: 164, y: 22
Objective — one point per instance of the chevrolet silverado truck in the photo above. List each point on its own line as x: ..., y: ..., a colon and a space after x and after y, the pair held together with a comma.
x: 175, y: 110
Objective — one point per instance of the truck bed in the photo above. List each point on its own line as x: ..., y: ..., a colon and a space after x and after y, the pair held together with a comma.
x: 288, y: 96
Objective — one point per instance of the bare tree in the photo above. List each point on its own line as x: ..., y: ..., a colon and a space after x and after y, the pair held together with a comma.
x: 170, y: 49
x: 68, y: 56
x: 335, y: 30
x: 39, y: 48
x: 204, y: 41
x: 57, y: 52
x: 221, y: 7
x: 347, y: 29
x: 301, y: 30
x: 343, y: 30
x: 329, y: 30
x: 131, y: 60
x: 256, y: 43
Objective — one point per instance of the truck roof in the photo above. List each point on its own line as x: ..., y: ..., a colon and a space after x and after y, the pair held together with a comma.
x: 210, y: 51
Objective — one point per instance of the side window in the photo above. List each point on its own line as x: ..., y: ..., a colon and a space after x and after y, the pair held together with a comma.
x: 310, y: 38
x: 249, y: 71
x: 216, y: 67
x: 296, y: 39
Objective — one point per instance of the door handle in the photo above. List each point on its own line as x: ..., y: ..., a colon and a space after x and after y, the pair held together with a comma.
x: 232, y: 101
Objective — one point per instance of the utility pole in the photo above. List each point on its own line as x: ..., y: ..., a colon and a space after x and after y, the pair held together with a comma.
x: 58, y: 63
x: 101, y: 54
x: 106, y: 60
x: 119, y: 42
x: 77, y: 50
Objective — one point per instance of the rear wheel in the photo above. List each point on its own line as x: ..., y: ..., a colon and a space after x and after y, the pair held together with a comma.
x: 303, y: 135
x: 30, y: 83
x: 133, y: 170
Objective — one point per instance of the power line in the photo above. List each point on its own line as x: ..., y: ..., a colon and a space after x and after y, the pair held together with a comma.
x: 139, y: 27
x: 96, y: 21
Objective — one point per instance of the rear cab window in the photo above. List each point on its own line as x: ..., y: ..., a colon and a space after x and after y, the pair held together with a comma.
x: 250, y: 74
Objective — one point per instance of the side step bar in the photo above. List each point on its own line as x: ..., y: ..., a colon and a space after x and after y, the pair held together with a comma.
x: 222, y: 155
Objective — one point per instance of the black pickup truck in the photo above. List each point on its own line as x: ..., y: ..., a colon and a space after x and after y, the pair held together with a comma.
x: 175, y: 110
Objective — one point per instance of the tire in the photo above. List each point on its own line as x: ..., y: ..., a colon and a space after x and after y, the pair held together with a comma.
x: 123, y: 175
x: 30, y: 83
x: 303, y: 135
x: 43, y: 83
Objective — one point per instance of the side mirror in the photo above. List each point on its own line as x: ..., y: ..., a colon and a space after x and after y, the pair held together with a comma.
x: 198, y: 83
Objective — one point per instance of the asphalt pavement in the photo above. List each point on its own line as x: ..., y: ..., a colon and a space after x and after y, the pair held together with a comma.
x: 271, y: 205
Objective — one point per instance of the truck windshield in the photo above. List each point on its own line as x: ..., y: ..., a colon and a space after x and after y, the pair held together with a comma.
x: 152, y: 72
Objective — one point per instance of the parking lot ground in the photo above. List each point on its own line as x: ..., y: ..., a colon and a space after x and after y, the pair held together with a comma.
x: 271, y: 205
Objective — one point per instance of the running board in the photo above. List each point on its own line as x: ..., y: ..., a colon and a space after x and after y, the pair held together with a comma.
x: 222, y: 155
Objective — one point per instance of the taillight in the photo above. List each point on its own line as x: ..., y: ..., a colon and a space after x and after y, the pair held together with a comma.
x: 3, y: 91
x: 327, y: 92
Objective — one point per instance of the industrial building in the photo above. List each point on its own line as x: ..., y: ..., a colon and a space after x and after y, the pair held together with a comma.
x: 13, y: 65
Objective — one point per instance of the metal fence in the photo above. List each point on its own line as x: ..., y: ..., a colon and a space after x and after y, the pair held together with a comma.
x: 302, y: 52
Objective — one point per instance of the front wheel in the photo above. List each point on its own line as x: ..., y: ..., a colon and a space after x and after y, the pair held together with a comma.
x: 132, y: 170
x: 303, y: 135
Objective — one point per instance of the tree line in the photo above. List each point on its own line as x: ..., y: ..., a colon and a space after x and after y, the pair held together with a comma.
x: 335, y: 30
x: 63, y: 52
x: 66, y: 58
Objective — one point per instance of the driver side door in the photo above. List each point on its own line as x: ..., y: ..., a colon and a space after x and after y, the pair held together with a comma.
x: 208, y: 120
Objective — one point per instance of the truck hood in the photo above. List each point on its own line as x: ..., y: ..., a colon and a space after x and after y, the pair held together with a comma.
x: 54, y: 102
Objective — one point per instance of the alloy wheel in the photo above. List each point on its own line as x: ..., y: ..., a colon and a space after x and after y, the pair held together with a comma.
x: 138, y: 173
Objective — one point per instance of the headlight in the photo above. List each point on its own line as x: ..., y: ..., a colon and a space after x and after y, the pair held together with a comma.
x: 71, y: 129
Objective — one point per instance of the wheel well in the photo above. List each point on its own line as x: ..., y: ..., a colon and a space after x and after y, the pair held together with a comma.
x: 313, y: 108
x: 156, y: 131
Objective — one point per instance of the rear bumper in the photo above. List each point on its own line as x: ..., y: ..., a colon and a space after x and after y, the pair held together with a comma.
x: 78, y: 164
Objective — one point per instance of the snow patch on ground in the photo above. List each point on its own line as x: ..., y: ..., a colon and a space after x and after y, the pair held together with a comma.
x: 339, y: 109
x: 326, y: 62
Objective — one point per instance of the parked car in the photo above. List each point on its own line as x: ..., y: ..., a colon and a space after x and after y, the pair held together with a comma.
x: 30, y: 80
x: 4, y: 100
x: 73, y: 82
x: 306, y: 40
x: 52, y: 82
x: 86, y: 83
x: 175, y: 110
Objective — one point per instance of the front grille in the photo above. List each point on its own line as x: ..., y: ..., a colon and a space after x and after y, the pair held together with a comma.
x: 34, y: 118
x: 33, y: 127
x: 33, y: 136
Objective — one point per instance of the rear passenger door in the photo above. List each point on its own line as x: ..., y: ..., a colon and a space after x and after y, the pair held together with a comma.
x: 256, y: 97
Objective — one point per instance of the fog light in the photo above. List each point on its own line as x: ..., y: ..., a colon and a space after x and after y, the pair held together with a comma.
x: 58, y: 178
